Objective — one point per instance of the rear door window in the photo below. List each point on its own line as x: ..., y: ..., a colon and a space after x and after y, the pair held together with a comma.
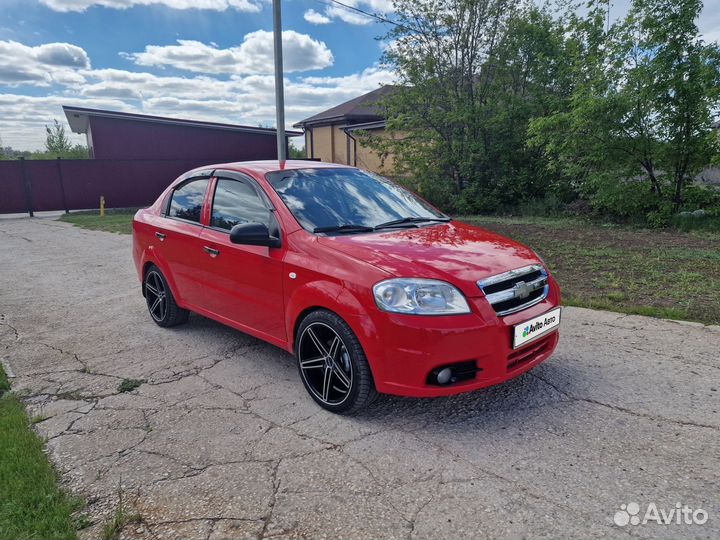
x: 187, y: 200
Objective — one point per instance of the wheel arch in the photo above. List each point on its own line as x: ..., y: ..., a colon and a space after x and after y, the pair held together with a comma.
x: 145, y: 268
x: 166, y: 274
x: 301, y: 317
x: 329, y: 296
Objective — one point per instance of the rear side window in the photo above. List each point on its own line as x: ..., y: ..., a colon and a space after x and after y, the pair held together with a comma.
x: 236, y: 202
x: 187, y: 200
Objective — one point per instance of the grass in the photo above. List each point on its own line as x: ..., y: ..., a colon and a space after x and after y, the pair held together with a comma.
x: 32, y: 505
x: 690, y: 223
x: 114, y: 221
x: 4, y: 382
x: 128, y: 385
x: 660, y: 273
x: 120, y: 518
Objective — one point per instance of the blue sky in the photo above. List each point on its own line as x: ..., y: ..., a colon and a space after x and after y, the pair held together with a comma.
x: 211, y: 61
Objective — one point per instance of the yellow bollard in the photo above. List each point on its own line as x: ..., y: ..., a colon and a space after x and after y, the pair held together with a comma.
x: 102, y: 206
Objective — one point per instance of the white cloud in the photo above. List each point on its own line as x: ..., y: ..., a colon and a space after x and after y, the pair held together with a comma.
x: 129, y: 85
x: 254, y: 55
x: 42, y: 65
x: 314, y: 17
x: 350, y: 16
x: 241, y: 99
x: 25, y: 117
x: 380, y: 6
x: 215, y: 5
x: 246, y: 100
x: 369, y: 77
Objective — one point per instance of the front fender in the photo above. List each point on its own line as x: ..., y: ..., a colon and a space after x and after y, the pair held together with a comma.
x: 334, y: 297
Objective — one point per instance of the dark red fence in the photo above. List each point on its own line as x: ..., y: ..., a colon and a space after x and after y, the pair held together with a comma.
x: 38, y: 185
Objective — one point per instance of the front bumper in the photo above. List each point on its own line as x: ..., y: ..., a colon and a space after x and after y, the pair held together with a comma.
x: 404, y: 349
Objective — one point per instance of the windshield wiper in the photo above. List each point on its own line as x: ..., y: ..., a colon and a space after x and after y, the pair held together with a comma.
x: 407, y: 220
x: 349, y: 228
x: 352, y: 227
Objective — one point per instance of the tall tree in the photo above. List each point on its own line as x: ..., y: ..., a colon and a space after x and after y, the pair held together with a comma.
x: 683, y: 75
x: 644, y: 92
x: 472, y: 74
x: 58, y: 144
x: 56, y: 140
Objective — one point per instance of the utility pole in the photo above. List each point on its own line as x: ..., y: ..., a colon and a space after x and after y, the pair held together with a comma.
x: 279, y: 90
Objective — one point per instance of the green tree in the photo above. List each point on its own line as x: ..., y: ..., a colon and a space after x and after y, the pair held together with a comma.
x: 472, y: 74
x: 57, y: 141
x: 295, y: 153
x: 58, y: 144
x: 644, y: 90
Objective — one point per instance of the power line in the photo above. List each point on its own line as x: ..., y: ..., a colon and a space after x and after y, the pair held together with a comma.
x: 358, y: 10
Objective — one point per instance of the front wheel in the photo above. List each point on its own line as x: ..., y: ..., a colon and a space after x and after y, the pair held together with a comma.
x: 332, y: 364
x: 160, y: 300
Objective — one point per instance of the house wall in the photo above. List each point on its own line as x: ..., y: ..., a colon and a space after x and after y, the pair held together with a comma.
x: 368, y: 159
x: 308, y: 144
x: 331, y: 144
x: 116, y: 138
x: 323, y: 143
x: 340, y: 147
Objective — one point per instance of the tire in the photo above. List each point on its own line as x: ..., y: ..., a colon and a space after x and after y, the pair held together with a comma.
x: 160, y: 300
x: 332, y: 365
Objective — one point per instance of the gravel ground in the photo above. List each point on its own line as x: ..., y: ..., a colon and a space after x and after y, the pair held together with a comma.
x: 221, y: 440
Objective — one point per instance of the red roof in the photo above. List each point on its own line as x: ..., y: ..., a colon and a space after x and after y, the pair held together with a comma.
x: 271, y: 165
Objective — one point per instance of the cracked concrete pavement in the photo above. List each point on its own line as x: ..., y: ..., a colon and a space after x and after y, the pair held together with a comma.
x: 221, y: 440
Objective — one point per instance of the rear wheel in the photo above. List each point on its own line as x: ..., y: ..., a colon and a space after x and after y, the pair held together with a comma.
x: 160, y: 300
x: 332, y: 364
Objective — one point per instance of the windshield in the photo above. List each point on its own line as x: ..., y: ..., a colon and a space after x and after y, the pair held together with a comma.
x: 348, y: 200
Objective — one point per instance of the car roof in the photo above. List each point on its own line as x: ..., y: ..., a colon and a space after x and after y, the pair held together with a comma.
x: 271, y: 165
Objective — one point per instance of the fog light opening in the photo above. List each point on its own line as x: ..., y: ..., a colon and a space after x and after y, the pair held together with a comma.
x: 453, y: 373
x: 444, y: 376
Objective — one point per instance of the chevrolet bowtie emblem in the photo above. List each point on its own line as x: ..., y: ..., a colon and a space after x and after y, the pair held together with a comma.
x: 522, y: 290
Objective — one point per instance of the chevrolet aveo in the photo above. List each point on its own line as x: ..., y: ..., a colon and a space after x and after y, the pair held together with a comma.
x: 372, y: 289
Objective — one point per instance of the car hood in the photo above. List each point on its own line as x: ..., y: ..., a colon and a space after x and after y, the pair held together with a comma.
x: 454, y: 252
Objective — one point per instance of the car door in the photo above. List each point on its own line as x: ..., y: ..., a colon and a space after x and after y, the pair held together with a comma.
x: 244, y: 283
x: 178, y: 239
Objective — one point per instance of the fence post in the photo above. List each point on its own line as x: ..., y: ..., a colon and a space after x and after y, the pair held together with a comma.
x: 28, y: 188
x: 62, y: 185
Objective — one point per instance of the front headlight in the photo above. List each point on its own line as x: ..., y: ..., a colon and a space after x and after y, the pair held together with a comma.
x: 419, y: 297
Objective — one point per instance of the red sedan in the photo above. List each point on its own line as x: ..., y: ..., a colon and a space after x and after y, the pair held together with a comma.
x: 372, y: 289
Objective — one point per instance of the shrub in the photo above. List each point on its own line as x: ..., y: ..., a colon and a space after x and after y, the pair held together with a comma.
x: 477, y: 199
x: 624, y: 199
x: 698, y: 197
x: 550, y: 205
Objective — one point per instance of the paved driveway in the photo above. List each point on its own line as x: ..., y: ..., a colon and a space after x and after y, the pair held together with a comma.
x: 222, y: 441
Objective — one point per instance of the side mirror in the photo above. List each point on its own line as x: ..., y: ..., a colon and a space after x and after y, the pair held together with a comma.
x: 253, y: 234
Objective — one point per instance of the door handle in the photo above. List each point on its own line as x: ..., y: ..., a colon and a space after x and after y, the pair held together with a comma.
x: 211, y: 251
x: 160, y: 235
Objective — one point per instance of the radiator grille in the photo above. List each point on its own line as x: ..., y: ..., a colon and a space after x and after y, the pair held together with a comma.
x: 515, y: 290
